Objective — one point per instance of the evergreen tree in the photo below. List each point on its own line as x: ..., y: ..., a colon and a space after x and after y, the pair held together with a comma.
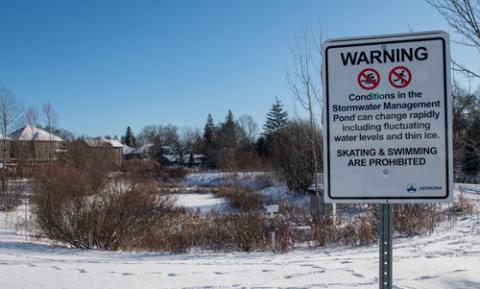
x: 229, y: 132
x: 277, y: 119
x: 191, y: 161
x: 129, y: 139
x: 209, y: 141
x: 261, y: 147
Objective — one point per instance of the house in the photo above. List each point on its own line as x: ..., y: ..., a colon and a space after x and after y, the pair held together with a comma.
x: 142, y: 152
x: 34, y: 144
x: 108, y: 148
x: 194, y: 160
x: 165, y: 154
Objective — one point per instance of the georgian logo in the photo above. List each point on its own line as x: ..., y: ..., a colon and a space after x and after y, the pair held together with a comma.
x: 411, y: 188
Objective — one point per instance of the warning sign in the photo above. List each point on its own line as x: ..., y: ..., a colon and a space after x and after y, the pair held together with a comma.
x: 368, y: 78
x: 400, y: 76
x: 391, y: 139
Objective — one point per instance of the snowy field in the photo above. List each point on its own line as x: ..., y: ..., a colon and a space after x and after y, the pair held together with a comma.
x: 201, y: 202
x: 450, y: 259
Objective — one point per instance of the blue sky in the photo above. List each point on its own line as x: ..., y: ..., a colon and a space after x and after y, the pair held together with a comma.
x: 108, y: 64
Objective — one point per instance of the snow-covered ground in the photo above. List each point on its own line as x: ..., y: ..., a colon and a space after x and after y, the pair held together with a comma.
x: 448, y: 259
x: 202, y: 202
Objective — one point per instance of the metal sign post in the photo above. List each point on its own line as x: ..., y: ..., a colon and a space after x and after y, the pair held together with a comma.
x: 386, y: 246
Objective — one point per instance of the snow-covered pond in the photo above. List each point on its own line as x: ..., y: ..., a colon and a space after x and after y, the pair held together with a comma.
x: 203, y: 202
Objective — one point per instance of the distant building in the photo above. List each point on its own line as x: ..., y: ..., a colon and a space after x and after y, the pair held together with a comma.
x: 143, y: 152
x: 31, y: 143
x: 108, y: 148
x: 165, y: 155
x: 194, y: 160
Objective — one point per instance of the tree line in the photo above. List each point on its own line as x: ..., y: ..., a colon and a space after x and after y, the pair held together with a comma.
x: 236, y: 144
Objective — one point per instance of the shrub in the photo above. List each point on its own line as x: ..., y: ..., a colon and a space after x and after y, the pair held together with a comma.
x: 245, y: 231
x: 248, y: 231
x: 413, y: 220
x: 241, y: 198
x: 10, y: 199
x: 173, y: 234
x: 462, y: 205
x: 359, y: 232
x: 286, y: 235
x: 367, y: 229
x: 167, y: 174
x: 140, y: 169
x: 322, y: 231
x: 118, y: 215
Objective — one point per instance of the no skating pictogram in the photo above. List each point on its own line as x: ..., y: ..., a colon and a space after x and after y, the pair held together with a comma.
x: 400, y: 76
x: 368, y: 78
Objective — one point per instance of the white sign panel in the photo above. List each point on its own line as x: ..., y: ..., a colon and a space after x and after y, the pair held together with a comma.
x: 387, y: 119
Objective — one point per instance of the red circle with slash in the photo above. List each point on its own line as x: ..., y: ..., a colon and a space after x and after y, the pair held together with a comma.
x: 400, y: 76
x: 368, y: 78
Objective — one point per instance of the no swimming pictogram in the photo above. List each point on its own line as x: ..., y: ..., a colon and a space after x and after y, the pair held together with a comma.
x: 400, y: 76
x: 368, y: 78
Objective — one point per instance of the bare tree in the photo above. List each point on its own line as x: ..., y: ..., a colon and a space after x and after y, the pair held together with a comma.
x: 11, y: 117
x: 50, y: 123
x: 190, y: 139
x: 31, y: 116
x: 464, y: 17
x: 249, y: 126
x: 305, y: 84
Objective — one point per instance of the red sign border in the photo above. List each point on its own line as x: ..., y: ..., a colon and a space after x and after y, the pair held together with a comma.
x: 393, y: 83
x: 361, y: 74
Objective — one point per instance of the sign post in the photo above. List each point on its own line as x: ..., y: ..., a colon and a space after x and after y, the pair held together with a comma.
x: 388, y: 125
x: 385, y: 244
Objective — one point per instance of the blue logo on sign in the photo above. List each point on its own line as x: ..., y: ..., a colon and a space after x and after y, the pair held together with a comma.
x: 411, y: 188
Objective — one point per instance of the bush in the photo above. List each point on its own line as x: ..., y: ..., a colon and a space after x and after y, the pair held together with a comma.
x: 118, y: 215
x: 359, y: 232
x: 167, y: 174
x: 140, y: 169
x: 286, y: 235
x: 367, y: 230
x: 322, y: 232
x: 10, y: 199
x: 241, y: 198
x: 462, y: 205
x: 245, y: 231
x: 412, y: 220
x: 174, y: 234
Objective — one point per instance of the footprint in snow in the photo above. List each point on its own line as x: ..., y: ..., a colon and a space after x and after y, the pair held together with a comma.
x: 172, y: 274
x: 219, y: 273
x: 266, y: 270
x: 127, y: 274
x: 425, y: 277
x: 358, y: 275
x: 83, y: 271
x: 31, y: 265
x: 55, y: 268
